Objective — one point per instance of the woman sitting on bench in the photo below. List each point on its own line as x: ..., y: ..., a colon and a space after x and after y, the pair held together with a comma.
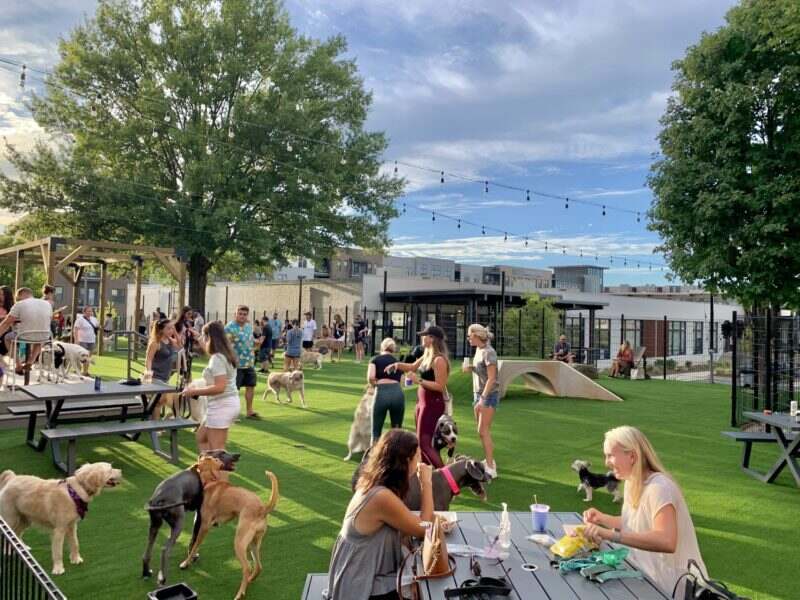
x: 623, y: 363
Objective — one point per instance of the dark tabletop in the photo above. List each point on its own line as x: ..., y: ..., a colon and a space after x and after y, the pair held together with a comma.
x: 86, y: 391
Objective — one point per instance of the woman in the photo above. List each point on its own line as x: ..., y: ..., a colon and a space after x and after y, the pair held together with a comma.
x: 359, y: 337
x: 367, y: 553
x: 294, y: 342
x: 434, y: 369
x: 485, y: 388
x: 6, y: 302
x: 655, y: 521
x: 388, y: 393
x: 220, y: 388
x: 338, y: 327
x: 162, y: 350
x: 623, y: 362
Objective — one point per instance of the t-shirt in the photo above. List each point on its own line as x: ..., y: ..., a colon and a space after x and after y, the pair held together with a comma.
x: 483, y: 358
x: 33, y: 315
x: 198, y: 323
x: 219, y: 365
x: 381, y: 362
x: 108, y: 325
x: 664, y: 569
x: 276, y: 325
x: 85, y: 330
x: 309, y: 327
x: 293, y: 339
x: 561, y: 348
x: 241, y: 337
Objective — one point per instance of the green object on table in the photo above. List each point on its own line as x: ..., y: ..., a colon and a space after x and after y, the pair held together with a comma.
x: 610, y: 558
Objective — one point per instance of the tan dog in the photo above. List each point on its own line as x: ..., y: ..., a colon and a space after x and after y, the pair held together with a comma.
x: 54, y: 504
x: 290, y: 381
x: 361, y: 429
x: 223, y: 502
x: 333, y: 345
x: 311, y: 358
x: 198, y: 406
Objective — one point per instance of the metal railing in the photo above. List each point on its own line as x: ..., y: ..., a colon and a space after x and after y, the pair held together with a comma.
x: 21, y: 577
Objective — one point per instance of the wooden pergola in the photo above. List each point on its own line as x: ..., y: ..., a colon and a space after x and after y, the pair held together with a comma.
x: 70, y: 257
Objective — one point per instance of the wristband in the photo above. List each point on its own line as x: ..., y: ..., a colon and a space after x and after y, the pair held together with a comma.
x: 616, y: 537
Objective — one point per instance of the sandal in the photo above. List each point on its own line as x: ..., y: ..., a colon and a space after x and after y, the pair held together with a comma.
x: 253, y: 415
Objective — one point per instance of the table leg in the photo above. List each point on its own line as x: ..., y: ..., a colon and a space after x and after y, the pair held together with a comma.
x: 51, y: 421
x: 788, y: 451
x: 31, y: 430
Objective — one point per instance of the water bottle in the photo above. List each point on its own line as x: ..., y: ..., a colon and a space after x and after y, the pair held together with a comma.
x: 97, y: 384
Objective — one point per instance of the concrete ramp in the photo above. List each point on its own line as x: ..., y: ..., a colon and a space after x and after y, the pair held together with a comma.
x: 552, y: 378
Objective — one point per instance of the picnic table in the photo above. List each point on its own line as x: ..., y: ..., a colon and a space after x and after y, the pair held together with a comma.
x: 785, y: 431
x: 545, y: 583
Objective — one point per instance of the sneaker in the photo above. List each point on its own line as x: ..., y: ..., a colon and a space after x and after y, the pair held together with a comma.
x: 490, y: 471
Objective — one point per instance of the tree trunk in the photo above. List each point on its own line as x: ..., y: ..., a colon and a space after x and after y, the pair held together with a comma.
x: 199, y: 266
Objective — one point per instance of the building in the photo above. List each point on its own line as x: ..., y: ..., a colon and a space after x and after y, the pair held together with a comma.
x: 584, y: 278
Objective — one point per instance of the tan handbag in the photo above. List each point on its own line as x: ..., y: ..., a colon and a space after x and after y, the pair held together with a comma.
x: 436, y: 562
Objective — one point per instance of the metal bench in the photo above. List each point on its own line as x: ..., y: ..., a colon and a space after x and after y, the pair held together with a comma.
x: 37, y: 409
x: 749, y: 438
x: 315, y: 584
x: 72, y: 434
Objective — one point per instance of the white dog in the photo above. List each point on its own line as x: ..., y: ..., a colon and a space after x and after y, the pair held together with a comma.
x: 74, y: 358
x: 290, y: 381
x: 54, y: 504
x: 311, y: 358
x: 361, y: 429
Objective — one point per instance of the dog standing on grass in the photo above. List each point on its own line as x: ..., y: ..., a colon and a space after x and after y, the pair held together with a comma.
x: 223, y: 502
x: 592, y: 481
x: 361, y: 429
x: 288, y: 380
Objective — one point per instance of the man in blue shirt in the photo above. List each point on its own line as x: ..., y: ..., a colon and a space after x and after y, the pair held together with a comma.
x: 240, y: 333
x: 277, y: 327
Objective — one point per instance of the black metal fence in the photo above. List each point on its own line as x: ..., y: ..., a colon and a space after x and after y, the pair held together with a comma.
x: 21, y: 577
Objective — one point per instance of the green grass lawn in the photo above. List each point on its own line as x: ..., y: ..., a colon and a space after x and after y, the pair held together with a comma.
x: 747, y: 530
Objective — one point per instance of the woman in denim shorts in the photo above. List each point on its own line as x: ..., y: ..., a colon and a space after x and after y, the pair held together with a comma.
x: 486, y: 389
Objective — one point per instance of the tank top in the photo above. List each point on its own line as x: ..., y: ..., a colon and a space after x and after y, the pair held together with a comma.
x: 363, y: 565
x: 381, y: 362
x: 164, y: 361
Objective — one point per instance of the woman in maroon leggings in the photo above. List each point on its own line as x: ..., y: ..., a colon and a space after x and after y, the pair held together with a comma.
x: 434, y: 368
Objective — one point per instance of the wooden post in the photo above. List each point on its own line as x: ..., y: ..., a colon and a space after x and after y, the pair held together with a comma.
x: 19, y: 271
x: 182, y: 286
x: 48, y: 261
x: 137, y: 309
x: 101, y: 317
x: 76, y: 281
x: 735, y: 371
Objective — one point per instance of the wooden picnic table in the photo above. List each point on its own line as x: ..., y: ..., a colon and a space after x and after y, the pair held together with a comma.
x: 546, y: 583
x: 778, y: 424
x: 56, y: 396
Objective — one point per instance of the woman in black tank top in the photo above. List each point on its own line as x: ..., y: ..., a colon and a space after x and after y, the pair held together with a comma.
x: 388, y: 393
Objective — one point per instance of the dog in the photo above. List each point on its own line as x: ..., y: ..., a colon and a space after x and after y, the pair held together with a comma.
x: 69, y: 357
x: 198, y: 406
x: 592, y: 481
x: 55, y: 504
x: 445, y: 435
x: 465, y: 471
x: 223, y: 502
x: 170, y: 500
x: 361, y: 429
x: 311, y: 358
x: 290, y: 380
x: 333, y: 345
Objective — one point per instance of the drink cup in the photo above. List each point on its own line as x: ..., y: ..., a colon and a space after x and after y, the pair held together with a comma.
x: 491, y: 548
x: 539, y: 516
x: 408, y: 380
x: 467, y: 364
x: 97, y: 384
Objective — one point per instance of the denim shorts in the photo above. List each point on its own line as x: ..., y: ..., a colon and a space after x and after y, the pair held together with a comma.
x: 491, y: 401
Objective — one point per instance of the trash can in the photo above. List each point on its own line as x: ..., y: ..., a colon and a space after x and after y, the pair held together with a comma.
x: 179, y: 591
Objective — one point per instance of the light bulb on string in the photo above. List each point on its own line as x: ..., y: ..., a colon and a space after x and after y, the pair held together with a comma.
x: 564, y: 250
x: 596, y: 258
x: 649, y: 267
x: 611, y: 260
x: 526, y: 242
x: 637, y: 265
x: 528, y: 195
x: 459, y: 224
x: 22, y: 77
x: 545, y: 246
x: 404, y: 208
x: 580, y: 253
x: 441, y: 178
x: 604, y: 210
x: 433, y: 217
x: 344, y: 162
x: 625, y: 262
x: 486, y: 187
x: 505, y: 236
x: 288, y: 147
x: 395, y: 167
x: 483, y: 230
x: 566, y: 203
x: 638, y: 218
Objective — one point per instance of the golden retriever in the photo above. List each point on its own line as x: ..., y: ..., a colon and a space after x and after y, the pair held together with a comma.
x: 54, y: 504
x: 290, y: 381
x: 311, y: 358
x: 361, y: 429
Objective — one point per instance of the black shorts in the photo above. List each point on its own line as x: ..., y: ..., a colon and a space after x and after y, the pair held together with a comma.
x: 307, y: 344
x: 245, y: 377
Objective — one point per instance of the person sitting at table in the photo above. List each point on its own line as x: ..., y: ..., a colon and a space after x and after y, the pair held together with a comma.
x: 6, y: 302
x: 623, y: 363
x: 368, y: 553
x: 30, y: 318
x: 563, y: 351
x: 655, y: 522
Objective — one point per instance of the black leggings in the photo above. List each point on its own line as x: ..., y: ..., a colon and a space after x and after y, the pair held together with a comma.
x: 388, y: 398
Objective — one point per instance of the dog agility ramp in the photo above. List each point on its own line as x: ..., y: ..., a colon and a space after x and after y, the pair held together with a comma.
x: 552, y: 378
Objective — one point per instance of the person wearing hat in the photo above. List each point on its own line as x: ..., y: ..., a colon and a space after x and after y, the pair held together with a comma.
x: 434, y: 369
x: 485, y: 388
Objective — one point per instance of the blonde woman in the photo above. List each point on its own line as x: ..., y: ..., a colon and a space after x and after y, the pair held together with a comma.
x: 655, y: 521
x: 434, y: 369
x: 623, y: 362
x: 485, y: 388
x: 388, y: 393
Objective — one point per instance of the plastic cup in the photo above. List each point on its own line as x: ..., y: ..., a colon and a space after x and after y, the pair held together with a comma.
x: 467, y: 364
x: 491, y: 547
x: 539, y: 516
x: 408, y: 381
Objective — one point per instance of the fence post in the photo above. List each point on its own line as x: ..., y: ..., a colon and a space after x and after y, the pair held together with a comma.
x: 330, y: 311
x: 519, y: 332
x: 621, y: 330
x: 372, y: 336
x: 542, y: 350
x: 346, y: 322
x: 502, y: 310
x: 734, y: 370
x: 665, y: 347
x: 768, y: 359
x: 225, y: 318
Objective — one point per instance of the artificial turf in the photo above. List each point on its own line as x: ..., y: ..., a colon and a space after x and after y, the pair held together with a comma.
x: 747, y: 530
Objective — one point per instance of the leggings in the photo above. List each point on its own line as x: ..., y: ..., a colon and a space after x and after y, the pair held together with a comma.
x: 430, y: 406
x: 389, y: 398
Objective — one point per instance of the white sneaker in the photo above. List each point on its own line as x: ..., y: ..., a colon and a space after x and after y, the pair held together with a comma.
x: 490, y: 471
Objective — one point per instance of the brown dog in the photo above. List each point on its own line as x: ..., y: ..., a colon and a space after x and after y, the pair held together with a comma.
x: 223, y: 502
x: 290, y: 381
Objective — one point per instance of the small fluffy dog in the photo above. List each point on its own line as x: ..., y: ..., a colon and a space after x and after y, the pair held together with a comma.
x: 54, y: 504
x: 290, y: 381
x: 592, y: 481
x: 223, y: 502
x: 361, y: 429
x: 445, y: 435
x: 311, y: 358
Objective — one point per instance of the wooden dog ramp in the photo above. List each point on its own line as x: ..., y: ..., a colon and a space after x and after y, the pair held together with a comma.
x: 552, y: 378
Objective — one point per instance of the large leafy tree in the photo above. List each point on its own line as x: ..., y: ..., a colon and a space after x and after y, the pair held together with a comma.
x: 208, y: 126
x: 727, y: 183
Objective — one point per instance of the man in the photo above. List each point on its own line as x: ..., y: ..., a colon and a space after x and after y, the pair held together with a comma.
x: 265, y: 351
x: 161, y: 314
x: 563, y: 351
x: 240, y: 333
x: 309, y: 331
x: 84, y: 332
x: 31, y: 318
x: 277, y: 328
x: 108, y: 325
x: 198, y: 322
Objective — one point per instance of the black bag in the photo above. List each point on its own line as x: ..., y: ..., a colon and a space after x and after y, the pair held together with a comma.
x: 700, y: 587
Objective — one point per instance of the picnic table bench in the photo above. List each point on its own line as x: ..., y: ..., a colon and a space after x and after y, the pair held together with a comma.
x: 781, y: 430
x: 545, y: 583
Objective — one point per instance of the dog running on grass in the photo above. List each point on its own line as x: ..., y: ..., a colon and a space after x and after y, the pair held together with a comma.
x: 223, y: 502
x: 592, y: 481
x: 290, y: 381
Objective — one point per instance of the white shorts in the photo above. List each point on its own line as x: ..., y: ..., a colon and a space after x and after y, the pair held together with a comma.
x: 222, y: 412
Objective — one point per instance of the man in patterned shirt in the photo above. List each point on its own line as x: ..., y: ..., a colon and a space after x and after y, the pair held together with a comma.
x: 240, y: 333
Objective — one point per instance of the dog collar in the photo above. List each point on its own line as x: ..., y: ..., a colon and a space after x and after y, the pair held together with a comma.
x: 450, y: 480
x: 80, y: 504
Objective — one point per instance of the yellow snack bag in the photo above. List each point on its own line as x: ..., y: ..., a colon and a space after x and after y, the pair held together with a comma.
x: 569, y: 545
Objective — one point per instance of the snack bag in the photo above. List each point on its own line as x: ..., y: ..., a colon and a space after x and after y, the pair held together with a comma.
x: 571, y: 544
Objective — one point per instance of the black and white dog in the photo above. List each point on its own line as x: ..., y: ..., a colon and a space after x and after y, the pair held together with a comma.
x: 445, y: 435
x: 592, y: 481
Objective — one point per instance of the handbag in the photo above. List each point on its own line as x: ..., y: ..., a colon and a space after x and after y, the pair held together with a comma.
x: 700, y: 587
x: 436, y: 562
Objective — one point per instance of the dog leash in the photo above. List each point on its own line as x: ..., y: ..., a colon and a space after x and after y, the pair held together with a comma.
x: 445, y: 471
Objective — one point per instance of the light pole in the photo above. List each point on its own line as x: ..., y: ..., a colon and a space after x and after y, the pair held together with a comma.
x: 300, y: 298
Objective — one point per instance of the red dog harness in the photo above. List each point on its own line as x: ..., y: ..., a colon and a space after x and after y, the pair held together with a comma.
x: 450, y: 480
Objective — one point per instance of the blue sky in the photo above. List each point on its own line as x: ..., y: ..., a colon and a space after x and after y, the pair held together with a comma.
x: 561, y: 97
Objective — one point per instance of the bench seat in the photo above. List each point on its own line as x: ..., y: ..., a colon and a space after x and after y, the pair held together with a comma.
x: 749, y: 438
x: 315, y: 584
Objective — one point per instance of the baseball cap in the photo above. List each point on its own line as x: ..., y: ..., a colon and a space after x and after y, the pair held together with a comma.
x: 433, y: 330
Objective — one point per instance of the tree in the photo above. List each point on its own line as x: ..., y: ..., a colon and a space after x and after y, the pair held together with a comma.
x: 210, y: 127
x: 727, y: 184
x: 538, y: 322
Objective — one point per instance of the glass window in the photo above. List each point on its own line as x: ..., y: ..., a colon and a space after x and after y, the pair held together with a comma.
x: 677, y: 338
x: 632, y: 332
x: 698, y: 337
x: 602, y: 338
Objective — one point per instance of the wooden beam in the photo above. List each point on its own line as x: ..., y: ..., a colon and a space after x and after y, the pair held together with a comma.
x: 75, y: 280
x: 19, y: 270
x: 132, y: 248
x: 69, y: 258
x: 181, y: 285
x: 49, y: 258
x: 137, y: 307
x: 170, y: 263
x: 12, y: 250
x: 101, y: 317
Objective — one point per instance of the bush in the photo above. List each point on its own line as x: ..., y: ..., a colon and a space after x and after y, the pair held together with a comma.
x: 671, y: 364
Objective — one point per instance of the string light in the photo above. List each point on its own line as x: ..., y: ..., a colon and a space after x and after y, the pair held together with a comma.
x: 625, y: 262
x: 433, y: 217
x: 404, y: 208
x: 528, y: 195
x: 23, y: 76
x: 566, y: 203
x: 526, y: 242
x: 486, y: 187
x: 459, y: 224
x: 545, y: 246
x: 581, y: 253
x: 604, y: 210
x: 483, y: 230
x: 505, y: 237
x: 441, y: 180
x: 564, y: 250
x: 344, y: 162
x: 638, y: 218
x: 395, y: 167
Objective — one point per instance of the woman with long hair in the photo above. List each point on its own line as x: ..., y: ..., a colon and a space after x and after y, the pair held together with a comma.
x: 368, y: 553
x: 623, y: 362
x: 655, y: 521
x: 220, y: 388
x: 388, y: 393
x: 434, y: 369
x: 485, y: 388
x: 162, y: 349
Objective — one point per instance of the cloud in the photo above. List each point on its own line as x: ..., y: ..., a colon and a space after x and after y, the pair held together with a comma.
x: 606, y: 193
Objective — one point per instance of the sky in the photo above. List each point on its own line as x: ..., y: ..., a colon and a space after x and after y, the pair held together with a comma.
x: 553, y: 96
